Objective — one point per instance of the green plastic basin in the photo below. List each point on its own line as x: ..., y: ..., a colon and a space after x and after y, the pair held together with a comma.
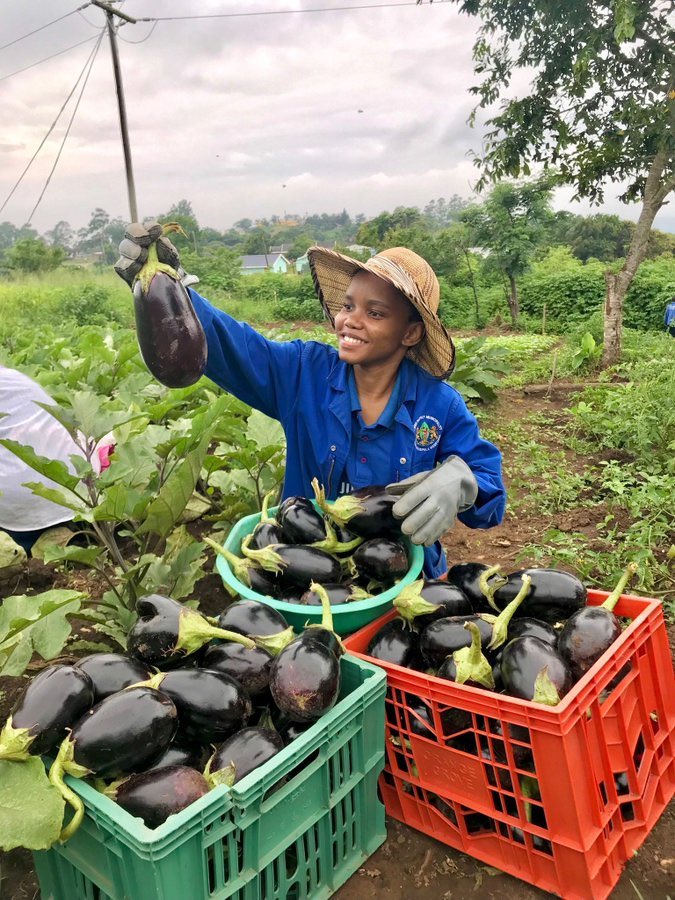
x: 347, y: 617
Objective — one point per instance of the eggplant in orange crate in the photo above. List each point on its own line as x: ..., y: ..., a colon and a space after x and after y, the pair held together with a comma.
x: 559, y: 796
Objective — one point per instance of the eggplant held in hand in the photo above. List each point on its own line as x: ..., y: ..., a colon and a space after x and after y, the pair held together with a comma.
x: 367, y: 511
x: 50, y: 703
x: 170, y: 336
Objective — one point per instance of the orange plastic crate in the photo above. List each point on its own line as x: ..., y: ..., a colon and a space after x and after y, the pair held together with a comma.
x: 558, y: 796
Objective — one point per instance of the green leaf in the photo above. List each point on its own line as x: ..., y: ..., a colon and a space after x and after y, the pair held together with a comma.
x: 59, y: 536
x: 264, y: 431
x: 53, y: 469
x: 70, y: 501
x: 86, y: 556
x: 164, y: 511
x: 34, y: 624
x: 31, y: 808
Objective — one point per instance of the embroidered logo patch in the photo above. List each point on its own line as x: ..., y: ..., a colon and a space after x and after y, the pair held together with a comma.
x: 427, y: 432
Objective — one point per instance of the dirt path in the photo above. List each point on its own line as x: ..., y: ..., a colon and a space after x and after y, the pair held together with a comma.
x: 409, y: 864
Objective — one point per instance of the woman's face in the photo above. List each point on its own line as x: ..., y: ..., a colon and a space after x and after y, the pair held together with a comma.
x: 374, y: 323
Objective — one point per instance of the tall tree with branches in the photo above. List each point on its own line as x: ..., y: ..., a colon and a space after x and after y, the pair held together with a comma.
x: 600, y: 108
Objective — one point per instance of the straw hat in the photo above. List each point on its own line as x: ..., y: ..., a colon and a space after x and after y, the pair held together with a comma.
x: 411, y: 275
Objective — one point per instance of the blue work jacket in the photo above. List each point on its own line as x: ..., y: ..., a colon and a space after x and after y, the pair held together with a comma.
x: 305, y: 385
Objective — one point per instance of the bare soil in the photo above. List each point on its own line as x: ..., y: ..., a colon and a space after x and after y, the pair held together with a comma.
x: 410, y: 864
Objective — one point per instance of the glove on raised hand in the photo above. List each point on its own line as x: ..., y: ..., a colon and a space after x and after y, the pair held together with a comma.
x: 429, y: 501
x: 133, y: 250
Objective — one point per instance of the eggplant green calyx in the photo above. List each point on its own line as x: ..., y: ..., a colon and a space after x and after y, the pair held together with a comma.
x: 153, y: 682
x: 274, y: 643
x: 227, y: 776
x: 62, y: 765
x: 613, y: 598
x: 238, y: 565
x: 501, y: 625
x: 15, y: 742
x: 194, y: 631
x: 341, y: 510
x: 545, y: 691
x: 470, y: 664
x: 410, y: 604
x: 488, y: 590
x: 153, y: 265
x: 265, y: 518
x: 267, y: 558
x: 331, y: 544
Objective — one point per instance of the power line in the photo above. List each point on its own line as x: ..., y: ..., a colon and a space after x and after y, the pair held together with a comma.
x: 279, y: 12
x: 53, y: 125
x: 47, y: 58
x: 72, y: 119
x: 42, y: 27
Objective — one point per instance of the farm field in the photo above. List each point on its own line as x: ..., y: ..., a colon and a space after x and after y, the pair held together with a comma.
x: 590, y: 478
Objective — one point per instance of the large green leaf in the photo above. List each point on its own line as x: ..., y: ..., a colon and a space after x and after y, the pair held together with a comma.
x: 31, y: 808
x: 53, y: 469
x: 263, y: 430
x: 34, y: 624
x: 164, y: 511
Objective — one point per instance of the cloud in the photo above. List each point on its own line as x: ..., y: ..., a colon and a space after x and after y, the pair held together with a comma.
x: 364, y: 109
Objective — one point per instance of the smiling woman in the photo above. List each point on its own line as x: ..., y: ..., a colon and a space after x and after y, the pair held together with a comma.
x: 374, y: 412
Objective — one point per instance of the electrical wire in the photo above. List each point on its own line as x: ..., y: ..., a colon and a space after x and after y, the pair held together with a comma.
x: 42, y: 27
x: 46, y: 58
x: 90, y: 59
x: 72, y: 119
x: 279, y: 12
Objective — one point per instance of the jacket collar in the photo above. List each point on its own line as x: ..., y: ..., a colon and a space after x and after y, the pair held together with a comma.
x: 340, y: 404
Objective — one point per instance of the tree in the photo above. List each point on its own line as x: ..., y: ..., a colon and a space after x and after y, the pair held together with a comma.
x: 34, y: 255
x: 372, y: 232
x: 61, y: 235
x: 600, y: 236
x: 511, y: 224
x: 601, y: 107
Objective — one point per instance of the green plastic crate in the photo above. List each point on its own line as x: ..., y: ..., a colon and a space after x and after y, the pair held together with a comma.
x: 347, y: 617
x: 260, y: 840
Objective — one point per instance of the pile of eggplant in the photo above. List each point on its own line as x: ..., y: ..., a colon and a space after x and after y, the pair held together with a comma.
x: 193, y: 703
x: 352, y: 547
x: 528, y: 635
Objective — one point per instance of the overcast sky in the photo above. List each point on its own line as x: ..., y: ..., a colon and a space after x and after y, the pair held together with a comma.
x: 306, y: 112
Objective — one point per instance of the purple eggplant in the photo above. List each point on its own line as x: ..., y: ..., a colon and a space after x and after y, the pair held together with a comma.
x: 533, y: 627
x: 467, y: 577
x: 591, y: 631
x: 121, y: 734
x: 323, y: 631
x: 425, y: 600
x: 381, y: 559
x: 179, y: 754
x: 251, y: 668
x: 446, y: 636
x: 367, y: 512
x: 301, y: 524
x: 211, y: 705
x: 553, y: 597
x: 296, y: 565
x: 533, y: 670
x: 111, y: 672
x: 396, y: 642
x: 305, y: 680
x: 170, y: 336
x: 240, y: 754
x: 259, y: 622
x: 51, y: 702
x: 267, y: 531
x: 166, y: 632
x: 159, y: 793
x: 337, y: 594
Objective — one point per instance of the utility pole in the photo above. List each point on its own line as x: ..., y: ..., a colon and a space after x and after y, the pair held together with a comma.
x: 110, y: 13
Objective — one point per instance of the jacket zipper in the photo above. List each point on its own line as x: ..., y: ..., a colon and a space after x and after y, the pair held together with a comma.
x: 330, y: 476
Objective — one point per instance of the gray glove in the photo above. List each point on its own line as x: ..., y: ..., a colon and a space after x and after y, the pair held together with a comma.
x: 133, y: 251
x: 429, y: 501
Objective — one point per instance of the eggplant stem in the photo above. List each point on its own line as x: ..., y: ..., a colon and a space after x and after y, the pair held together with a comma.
x: 470, y: 663
x: 56, y: 774
x: 410, y: 604
x: 613, y: 598
x: 501, y: 626
x: 238, y: 566
x: 488, y: 590
x: 266, y: 558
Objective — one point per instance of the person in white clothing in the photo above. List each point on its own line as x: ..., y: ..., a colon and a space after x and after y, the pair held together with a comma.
x: 23, y: 514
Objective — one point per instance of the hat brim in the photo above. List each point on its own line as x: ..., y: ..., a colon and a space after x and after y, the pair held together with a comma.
x: 332, y: 272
